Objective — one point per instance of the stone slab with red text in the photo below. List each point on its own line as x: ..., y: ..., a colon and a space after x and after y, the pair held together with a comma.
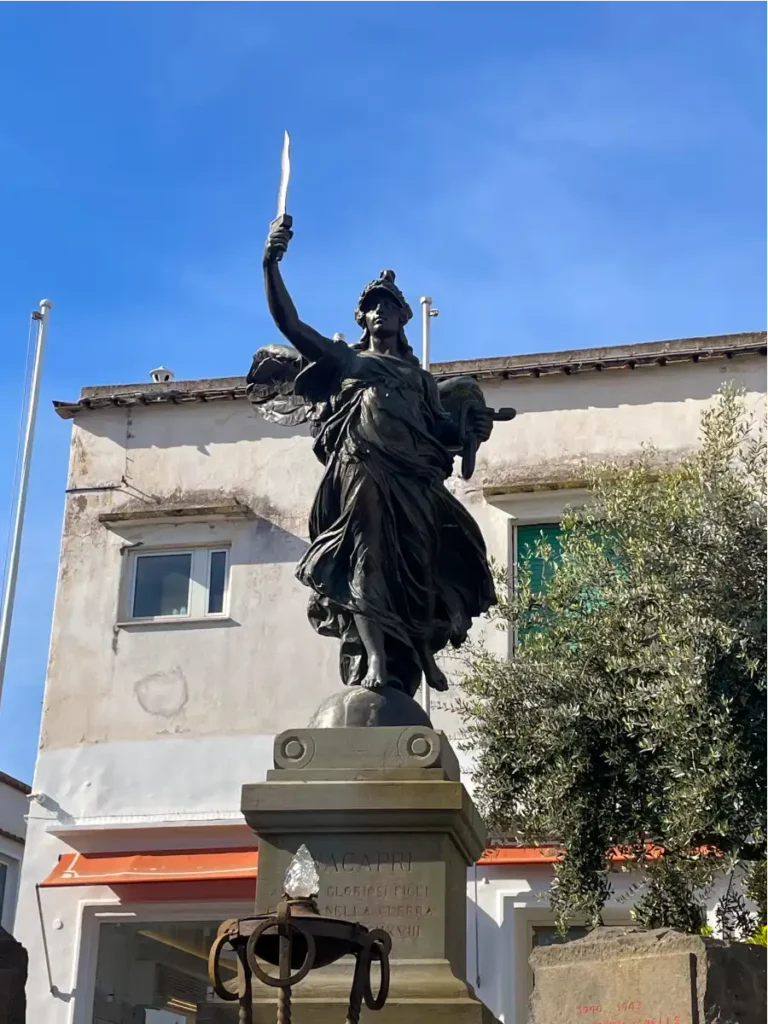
x: 630, y: 976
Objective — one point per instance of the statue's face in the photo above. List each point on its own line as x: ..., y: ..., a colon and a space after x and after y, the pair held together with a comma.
x: 382, y: 317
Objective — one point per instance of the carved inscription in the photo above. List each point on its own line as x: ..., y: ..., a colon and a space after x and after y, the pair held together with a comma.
x: 380, y: 894
x: 389, y: 861
x: 385, y: 880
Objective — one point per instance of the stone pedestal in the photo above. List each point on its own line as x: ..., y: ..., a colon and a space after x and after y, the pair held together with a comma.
x: 630, y: 976
x: 392, y: 831
x: 13, y: 978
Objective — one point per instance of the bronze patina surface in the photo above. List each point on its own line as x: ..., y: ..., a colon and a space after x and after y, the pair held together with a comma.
x: 396, y: 565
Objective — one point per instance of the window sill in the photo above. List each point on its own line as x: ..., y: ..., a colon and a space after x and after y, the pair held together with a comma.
x: 177, y: 622
x: 160, y: 514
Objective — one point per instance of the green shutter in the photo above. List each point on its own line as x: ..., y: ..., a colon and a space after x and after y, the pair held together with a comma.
x: 527, y: 538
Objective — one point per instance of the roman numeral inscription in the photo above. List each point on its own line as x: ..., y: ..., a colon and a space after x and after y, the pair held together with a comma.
x: 380, y: 888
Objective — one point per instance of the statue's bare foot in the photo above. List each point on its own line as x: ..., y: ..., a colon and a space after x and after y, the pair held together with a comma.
x: 373, y: 679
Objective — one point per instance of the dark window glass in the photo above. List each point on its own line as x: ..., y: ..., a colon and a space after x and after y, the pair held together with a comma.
x: 155, y: 973
x: 162, y: 585
x: 217, y: 582
x: 544, y: 935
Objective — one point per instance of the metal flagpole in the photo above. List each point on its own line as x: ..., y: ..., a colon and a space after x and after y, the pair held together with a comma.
x: 26, y: 459
x: 426, y: 314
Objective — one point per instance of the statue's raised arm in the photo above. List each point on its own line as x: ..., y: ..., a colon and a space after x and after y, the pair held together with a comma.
x: 309, y: 342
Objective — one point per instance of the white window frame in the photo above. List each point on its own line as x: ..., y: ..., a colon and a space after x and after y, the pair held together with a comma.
x: 199, y: 584
x: 4, y: 901
x: 92, y: 914
x: 10, y: 893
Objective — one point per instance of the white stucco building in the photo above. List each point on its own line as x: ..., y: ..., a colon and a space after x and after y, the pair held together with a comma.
x: 180, y: 647
x: 13, y: 826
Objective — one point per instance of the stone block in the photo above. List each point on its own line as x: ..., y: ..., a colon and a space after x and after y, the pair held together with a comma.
x: 631, y: 976
x: 347, y: 752
x: 392, y: 831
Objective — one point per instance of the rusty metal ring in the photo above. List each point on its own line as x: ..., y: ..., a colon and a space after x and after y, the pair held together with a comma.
x: 219, y: 987
x: 303, y: 971
x: 378, y: 948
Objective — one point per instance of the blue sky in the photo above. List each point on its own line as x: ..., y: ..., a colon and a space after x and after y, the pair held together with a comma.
x: 555, y: 175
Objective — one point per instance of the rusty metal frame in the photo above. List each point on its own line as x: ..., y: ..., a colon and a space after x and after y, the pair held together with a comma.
x: 295, y: 918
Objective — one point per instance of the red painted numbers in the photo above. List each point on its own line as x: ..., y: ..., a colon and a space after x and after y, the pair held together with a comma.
x: 595, y: 1010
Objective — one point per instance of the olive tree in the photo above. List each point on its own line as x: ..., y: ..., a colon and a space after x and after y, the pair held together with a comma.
x: 631, y: 718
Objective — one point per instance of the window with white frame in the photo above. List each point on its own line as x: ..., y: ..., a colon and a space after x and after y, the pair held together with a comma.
x: 9, y: 877
x: 176, y: 584
x: 154, y: 972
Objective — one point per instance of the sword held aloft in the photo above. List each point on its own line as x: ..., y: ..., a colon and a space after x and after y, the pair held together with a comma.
x: 285, y: 176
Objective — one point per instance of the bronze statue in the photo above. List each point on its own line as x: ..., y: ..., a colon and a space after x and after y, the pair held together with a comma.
x: 396, y: 565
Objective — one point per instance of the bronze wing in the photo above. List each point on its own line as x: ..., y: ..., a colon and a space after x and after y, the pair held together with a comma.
x: 270, y: 385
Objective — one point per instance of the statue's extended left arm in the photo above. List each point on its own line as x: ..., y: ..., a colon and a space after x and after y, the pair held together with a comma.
x: 466, y: 420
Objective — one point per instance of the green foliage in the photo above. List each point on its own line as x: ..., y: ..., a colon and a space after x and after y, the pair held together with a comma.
x: 755, y: 888
x: 734, y: 918
x: 760, y: 938
x: 672, y: 895
x: 633, y: 712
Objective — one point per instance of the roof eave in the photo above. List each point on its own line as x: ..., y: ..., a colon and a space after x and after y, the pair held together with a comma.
x: 627, y: 357
x: 9, y: 780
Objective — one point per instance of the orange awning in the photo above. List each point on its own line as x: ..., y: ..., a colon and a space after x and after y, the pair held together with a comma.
x: 548, y: 855
x: 163, y: 875
x: 160, y: 866
x: 212, y: 874
x: 520, y: 855
x: 213, y: 865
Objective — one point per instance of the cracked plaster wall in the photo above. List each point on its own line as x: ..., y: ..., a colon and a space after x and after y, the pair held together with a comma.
x: 267, y: 669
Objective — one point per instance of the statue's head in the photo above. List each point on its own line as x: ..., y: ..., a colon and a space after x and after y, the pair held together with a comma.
x: 382, y: 311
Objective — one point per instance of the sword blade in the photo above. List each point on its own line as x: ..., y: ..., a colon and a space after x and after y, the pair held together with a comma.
x: 285, y: 175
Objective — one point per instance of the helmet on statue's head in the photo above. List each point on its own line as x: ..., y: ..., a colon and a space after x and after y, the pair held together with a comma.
x: 384, y: 283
